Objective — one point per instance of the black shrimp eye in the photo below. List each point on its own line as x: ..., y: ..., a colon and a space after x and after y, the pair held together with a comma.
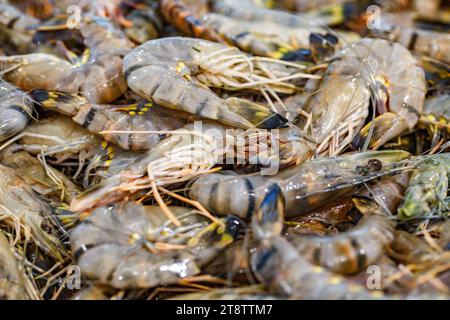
x: 374, y: 165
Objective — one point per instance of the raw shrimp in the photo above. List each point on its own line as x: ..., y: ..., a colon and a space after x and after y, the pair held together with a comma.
x: 141, y: 116
x: 436, y: 118
x: 42, y: 178
x: 304, y: 186
x: 275, y: 40
x: 15, y: 110
x: 173, y: 72
x: 339, y: 109
x: 100, y: 78
x: 146, y: 22
x: 186, y: 153
x: 279, y: 266
x: 28, y: 215
x: 427, y: 191
x: 247, y: 10
x: 70, y: 145
x: 133, y: 246
x: 430, y: 43
x: 351, y: 251
x: 14, y: 29
x: 398, y: 86
x: 184, y: 15
x: 11, y: 273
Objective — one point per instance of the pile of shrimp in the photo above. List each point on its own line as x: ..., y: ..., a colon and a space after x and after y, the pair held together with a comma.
x: 224, y: 149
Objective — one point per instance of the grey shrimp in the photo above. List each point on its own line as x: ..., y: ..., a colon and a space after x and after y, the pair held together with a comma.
x: 99, y: 78
x: 127, y: 245
x: 16, y: 109
x: 140, y: 116
x: 175, y: 73
x: 304, y: 186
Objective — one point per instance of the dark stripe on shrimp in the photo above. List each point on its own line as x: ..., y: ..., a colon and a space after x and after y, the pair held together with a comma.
x: 251, y: 198
x: 201, y: 106
x: 131, y: 69
x: 19, y: 109
x: 412, y: 41
x: 316, y: 255
x: 214, y: 196
x: 89, y: 117
x: 361, y: 258
x: 13, y: 21
x: 81, y: 250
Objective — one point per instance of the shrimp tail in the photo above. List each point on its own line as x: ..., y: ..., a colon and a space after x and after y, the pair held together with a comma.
x: 385, y: 127
x: 258, y: 115
x: 268, y: 221
x: 62, y: 102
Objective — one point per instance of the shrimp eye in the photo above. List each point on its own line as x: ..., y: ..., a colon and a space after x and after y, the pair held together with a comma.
x: 374, y: 165
x: 234, y: 226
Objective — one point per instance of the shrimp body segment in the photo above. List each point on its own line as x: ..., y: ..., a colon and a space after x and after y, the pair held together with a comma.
x: 133, y: 246
x: 168, y: 70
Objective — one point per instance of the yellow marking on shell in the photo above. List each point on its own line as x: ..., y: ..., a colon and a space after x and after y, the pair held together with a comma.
x: 354, y: 288
x: 225, y: 240
x: 52, y: 95
x: 336, y: 11
x: 193, y: 242
x: 132, y: 113
x: 335, y: 280
x: 110, y: 150
x: 107, y: 163
x: 317, y: 269
x: 104, y: 145
x: 383, y: 80
x: 377, y: 294
x: 133, y: 238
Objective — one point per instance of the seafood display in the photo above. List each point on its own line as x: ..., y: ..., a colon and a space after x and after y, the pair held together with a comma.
x: 224, y: 150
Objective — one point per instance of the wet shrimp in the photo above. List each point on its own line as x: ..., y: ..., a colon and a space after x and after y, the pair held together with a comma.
x: 146, y: 22
x: 99, y: 78
x: 398, y: 86
x: 247, y: 10
x: 15, y: 110
x: 304, y: 186
x: 29, y: 216
x: 43, y: 178
x: 12, y: 277
x: 175, y: 73
x: 127, y: 245
x: 433, y: 44
x: 354, y: 250
x: 59, y: 141
x: 185, y: 16
x: 184, y: 154
x: 436, y: 118
x: 279, y: 266
x: 141, y: 116
x: 14, y: 29
x: 427, y: 191
x: 277, y: 41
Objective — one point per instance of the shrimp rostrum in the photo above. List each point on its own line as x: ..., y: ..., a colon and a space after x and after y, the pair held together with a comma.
x: 127, y: 245
x: 176, y: 73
